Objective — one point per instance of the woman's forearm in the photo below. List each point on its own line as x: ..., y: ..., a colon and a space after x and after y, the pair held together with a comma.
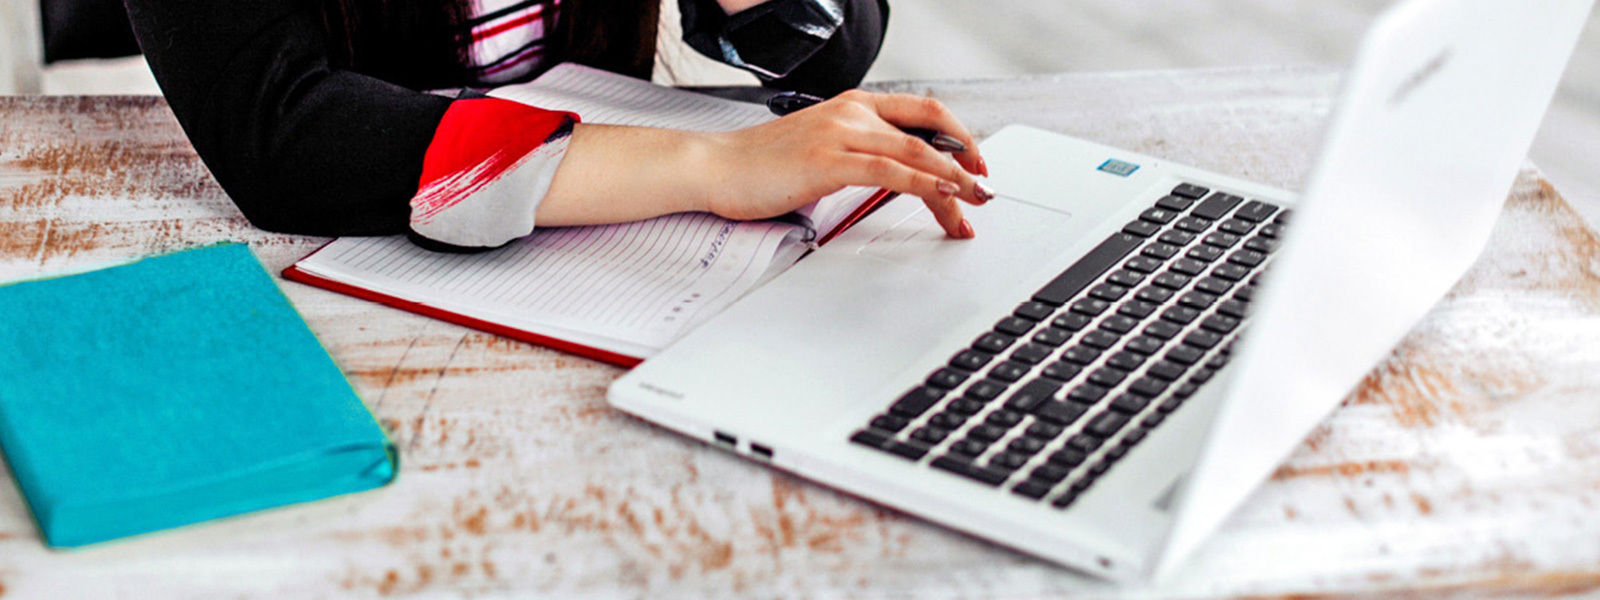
x: 614, y: 174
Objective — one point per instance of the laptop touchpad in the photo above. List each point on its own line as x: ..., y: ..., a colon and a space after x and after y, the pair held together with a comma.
x: 1007, y: 229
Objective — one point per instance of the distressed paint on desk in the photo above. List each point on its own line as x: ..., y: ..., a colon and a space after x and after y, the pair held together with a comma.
x: 1467, y: 464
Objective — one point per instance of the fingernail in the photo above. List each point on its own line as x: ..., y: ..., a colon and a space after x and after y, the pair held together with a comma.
x: 945, y: 143
x: 948, y: 188
x: 982, y: 191
x: 966, y: 230
x: 983, y: 167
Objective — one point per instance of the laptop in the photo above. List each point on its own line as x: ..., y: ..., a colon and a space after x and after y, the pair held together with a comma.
x: 1129, y: 346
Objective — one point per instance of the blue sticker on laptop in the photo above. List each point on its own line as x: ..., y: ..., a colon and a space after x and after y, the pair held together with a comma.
x: 1118, y: 167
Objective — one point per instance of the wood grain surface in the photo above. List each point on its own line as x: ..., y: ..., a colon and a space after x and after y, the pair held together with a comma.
x: 1467, y: 464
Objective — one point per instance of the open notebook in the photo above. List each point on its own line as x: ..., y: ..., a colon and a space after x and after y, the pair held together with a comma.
x: 617, y: 293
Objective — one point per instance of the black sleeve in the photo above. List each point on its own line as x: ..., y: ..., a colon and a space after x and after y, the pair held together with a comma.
x: 300, y: 147
x: 821, y: 47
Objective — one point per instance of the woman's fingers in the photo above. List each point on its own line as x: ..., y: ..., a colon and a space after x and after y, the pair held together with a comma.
x: 918, y: 154
x: 938, y: 193
x: 906, y: 110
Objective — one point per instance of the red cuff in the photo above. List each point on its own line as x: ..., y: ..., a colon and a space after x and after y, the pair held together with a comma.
x: 481, y: 139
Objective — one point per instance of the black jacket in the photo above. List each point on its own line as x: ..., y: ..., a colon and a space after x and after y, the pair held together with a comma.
x: 302, y: 147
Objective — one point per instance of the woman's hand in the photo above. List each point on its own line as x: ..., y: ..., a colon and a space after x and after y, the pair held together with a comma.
x: 853, y: 139
x: 613, y: 174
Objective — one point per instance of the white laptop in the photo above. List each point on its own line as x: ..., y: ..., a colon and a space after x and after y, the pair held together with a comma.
x: 1069, y: 383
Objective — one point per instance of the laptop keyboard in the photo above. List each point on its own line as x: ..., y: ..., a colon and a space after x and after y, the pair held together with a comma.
x: 1058, y: 391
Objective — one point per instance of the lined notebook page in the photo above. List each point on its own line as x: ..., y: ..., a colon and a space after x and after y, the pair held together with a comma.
x: 630, y: 288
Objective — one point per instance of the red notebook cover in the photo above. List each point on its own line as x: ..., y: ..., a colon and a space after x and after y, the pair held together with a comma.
x: 293, y: 273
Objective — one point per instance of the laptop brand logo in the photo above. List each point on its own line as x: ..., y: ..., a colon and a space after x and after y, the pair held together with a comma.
x: 1118, y: 167
x: 1419, y: 77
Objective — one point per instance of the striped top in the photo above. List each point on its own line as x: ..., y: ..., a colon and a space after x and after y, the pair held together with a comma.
x: 507, y: 40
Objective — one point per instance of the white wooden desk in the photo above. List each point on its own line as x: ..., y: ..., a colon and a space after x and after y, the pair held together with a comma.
x: 1467, y: 464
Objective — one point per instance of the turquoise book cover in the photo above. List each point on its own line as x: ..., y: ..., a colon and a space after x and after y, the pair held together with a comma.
x: 170, y: 391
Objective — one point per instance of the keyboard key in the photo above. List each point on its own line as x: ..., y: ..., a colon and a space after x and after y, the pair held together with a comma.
x: 1004, y: 418
x: 1216, y: 205
x: 1205, y: 253
x: 1174, y: 203
x: 1007, y: 461
x: 1009, y: 371
x: 930, y: 434
x: 1060, y: 413
x: 993, y: 343
x: 1248, y: 258
x: 1232, y: 308
x: 1237, y: 226
x: 1193, y: 224
x: 1119, y: 324
x: 1176, y: 237
x: 1162, y: 329
x: 1160, y: 250
x: 1158, y: 215
x: 1107, y: 377
x: 1220, y: 323
x: 1065, y: 500
x: 989, y: 477
x: 890, y: 423
x: 1197, y: 300
x: 1142, y: 264
x: 1166, y: 369
x: 1050, y: 473
x: 1133, y: 438
x: 971, y: 360
x: 1032, y: 394
x: 1106, y: 424
x: 910, y: 450
x: 1222, y: 239
x: 1149, y: 387
x: 985, y: 390
x: 969, y: 448
x: 1137, y: 309
x: 1189, y: 190
x: 1031, y: 489
x: 1100, y: 339
x: 1202, y: 339
x: 1142, y: 229
x: 1068, y: 457
x: 916, y: 402
x: 1084, y: 443
x: 1062, y: 370
x: 1201, y: 376
x: 1070, y: 322
x: 1087, y: 269
x: 1025, y: 446
x: 1181, y: 315
x: 1153, y: 419
x: 1151, y: 293
x: 1110, y: 292
x: 1261, y: 244
x: 1043, y: 430
x: 987, y: 433
x: 1245, y: 294
x: 1127, y: 361
x: 1144, y: 344
x: 1213, y: 285
x: 1129, y: 403
x: 1053, y: 337
x: 1189, y: 266
x: 1255, y: 211
x: 1125, y: 277
x: 947, y: 378
x: 1186, y: 390
x: 947, y: 420
x: 1090, y: 306
x: 1087, y: 393
x: 1230, y: 272
x: 870, y: 438
x: 1171, y: 281
x: 1014, y: 326
x: 965, y: 406
x: 1184, y: 355
x: 1283, y: 217
x: 1034, y: 311
x: 1080, y: 354
x: 1032, y: 353
x: 1271, y: 231
x: 1170, y: 404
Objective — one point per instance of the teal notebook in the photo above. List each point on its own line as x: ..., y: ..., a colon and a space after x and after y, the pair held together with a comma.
x: 170, y: 391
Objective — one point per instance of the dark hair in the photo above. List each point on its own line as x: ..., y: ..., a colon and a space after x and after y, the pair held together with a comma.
x: 422, y: 43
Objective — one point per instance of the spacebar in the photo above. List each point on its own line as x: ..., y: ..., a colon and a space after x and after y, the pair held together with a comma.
x: 1087, y: 269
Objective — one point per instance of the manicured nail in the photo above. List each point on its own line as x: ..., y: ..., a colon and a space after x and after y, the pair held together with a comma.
x: 948, y: 188
x: 966, y: 230
x: 945, y: 143
x: 983, y: 167
x: 982, y: 191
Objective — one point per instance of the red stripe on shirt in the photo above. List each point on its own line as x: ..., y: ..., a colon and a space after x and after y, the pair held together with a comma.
x: 534, y: 13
